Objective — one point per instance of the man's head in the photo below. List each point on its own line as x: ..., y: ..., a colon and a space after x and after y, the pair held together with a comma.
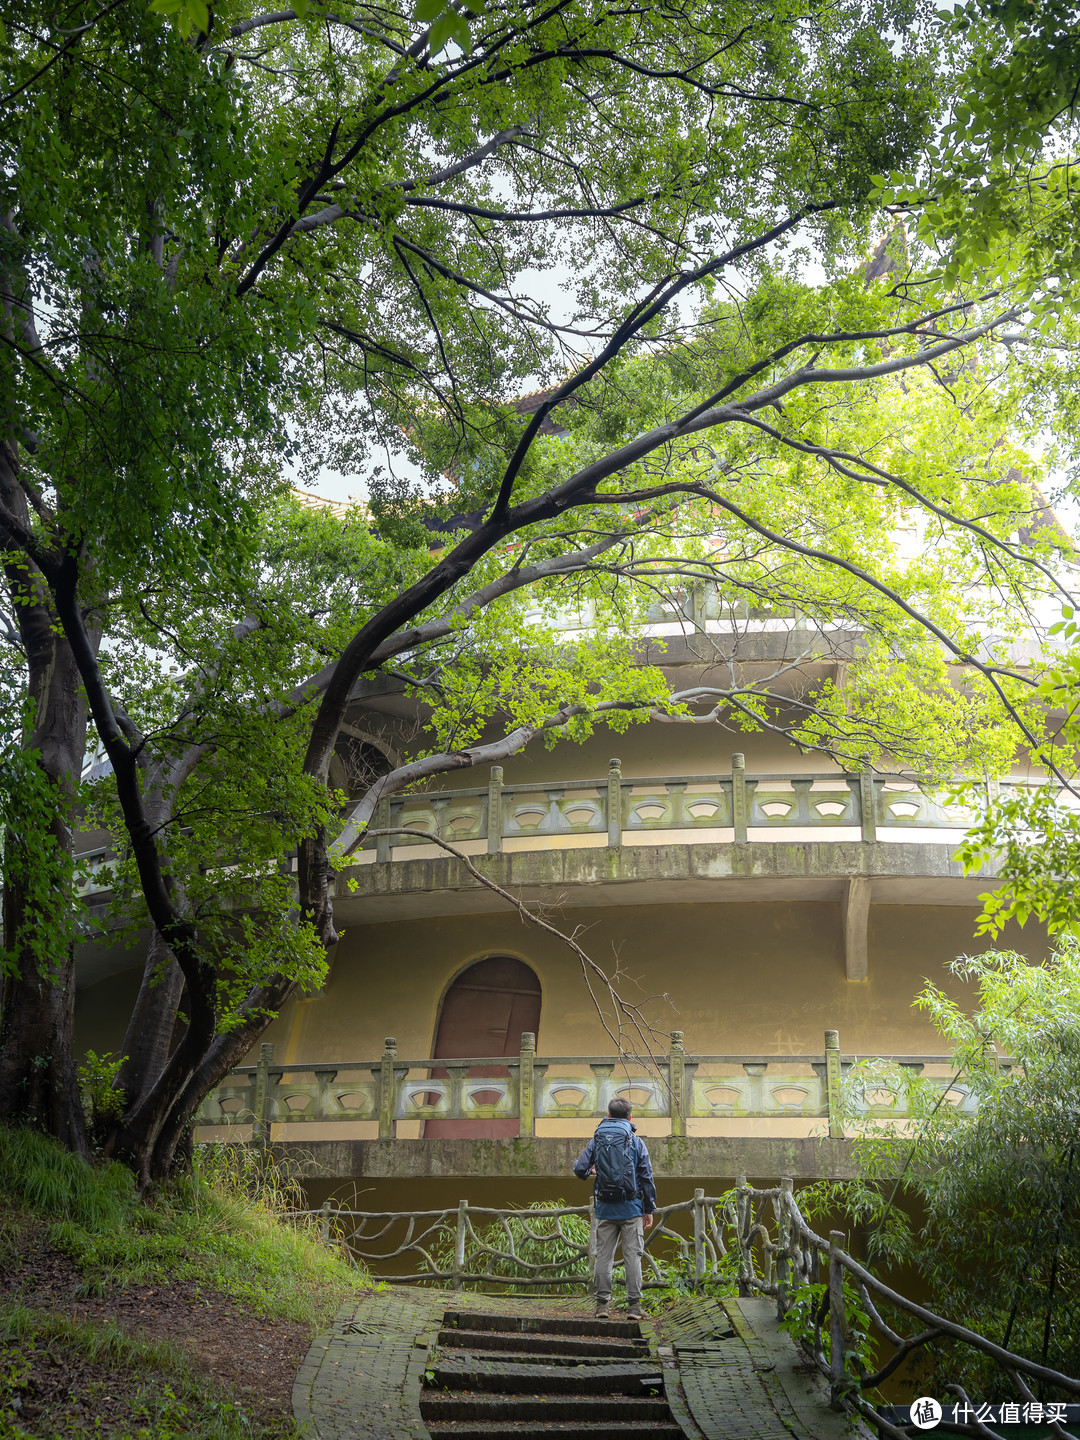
x: 619, y: 1109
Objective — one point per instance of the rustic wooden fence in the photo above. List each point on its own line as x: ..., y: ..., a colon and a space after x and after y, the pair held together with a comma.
x: 780, y: 1254
x: 755, y: 1238
x: 446, y: 1246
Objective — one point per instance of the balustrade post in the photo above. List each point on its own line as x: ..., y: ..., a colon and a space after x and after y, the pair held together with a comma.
x: 324, y: 1079
x: 459, y: 1245
x: 699, y: 1238
x: 837, y: 1319
x: 677, y: 1083
x: 832, y: 1083
x: 738, y: 796
x: 387, y: 1091
x: 325, y: 1223
x: 382, y: 820
x: 783, y: 1247
x: 742, y: 1229
x: 494, y: 811
x: 614, y: 803
x: 867, y: 812
x: 527, y: 1085
x: 592, y: 1236
x: 260, y: 1128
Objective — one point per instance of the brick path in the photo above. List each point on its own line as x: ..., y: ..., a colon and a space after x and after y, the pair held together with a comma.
x: 362, y: 1380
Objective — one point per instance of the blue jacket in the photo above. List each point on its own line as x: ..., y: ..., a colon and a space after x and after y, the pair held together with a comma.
x: 644, y: 1202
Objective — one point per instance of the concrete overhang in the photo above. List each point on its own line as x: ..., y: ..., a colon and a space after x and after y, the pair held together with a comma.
x: 755, y: 872
x: 687, y: 874
x: 676, y: 1157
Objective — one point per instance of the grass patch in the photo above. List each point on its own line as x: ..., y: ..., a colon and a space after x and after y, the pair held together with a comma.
x: 93, y: 1341
x: 218, y: 1266
x: 216, y: 1227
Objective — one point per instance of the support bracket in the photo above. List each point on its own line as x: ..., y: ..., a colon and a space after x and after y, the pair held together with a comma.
x: 855, y: 919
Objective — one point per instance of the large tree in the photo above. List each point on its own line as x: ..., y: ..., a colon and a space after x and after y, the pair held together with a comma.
x: 297, y: 240
x: 997, y: 200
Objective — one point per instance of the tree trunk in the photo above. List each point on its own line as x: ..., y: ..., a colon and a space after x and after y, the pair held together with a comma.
x: 134, y: 1138
x: 150, y: 1031
x: 38, y: 1082
x: 227, y: 1050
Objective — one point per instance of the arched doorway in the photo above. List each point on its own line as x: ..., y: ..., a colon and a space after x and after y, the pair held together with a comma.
x: 484, y: 1012
x: 357, y: 762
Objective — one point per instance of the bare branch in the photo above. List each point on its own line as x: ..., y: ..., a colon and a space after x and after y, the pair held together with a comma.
x: 592, y: 973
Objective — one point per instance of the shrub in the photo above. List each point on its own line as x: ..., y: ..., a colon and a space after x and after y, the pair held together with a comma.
x: 999, y: 1189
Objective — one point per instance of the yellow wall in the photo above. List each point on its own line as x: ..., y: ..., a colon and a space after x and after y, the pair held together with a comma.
x: 652, y: 749
x: 740, y: 978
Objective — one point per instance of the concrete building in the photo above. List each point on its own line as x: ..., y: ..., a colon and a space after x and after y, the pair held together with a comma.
x: 749, y: 902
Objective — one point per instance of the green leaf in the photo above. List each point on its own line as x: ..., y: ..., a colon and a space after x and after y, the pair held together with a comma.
x: 450, y: 26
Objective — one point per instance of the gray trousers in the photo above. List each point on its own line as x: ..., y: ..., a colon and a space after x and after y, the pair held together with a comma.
x: 608, y: 1234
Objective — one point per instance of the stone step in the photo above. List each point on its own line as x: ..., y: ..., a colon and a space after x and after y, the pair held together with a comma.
x: 555, y: 1430
x: 463, y: 1355
x: 535, y: 1377
x: 542, y: 1324
x: 436, y: 1405
x: 503, y: 1378
x: 542, y: 1344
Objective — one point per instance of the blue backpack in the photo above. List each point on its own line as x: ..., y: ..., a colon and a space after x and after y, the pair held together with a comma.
x: 615, y: 1160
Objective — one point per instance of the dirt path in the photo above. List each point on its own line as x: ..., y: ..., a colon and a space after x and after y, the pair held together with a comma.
x: 254, y: 1359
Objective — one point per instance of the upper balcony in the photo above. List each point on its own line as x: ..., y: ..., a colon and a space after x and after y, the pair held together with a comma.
x: 701, y: 618
x: 670, y: 839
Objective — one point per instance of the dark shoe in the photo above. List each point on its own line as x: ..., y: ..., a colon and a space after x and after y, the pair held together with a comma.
x: 603, y: 1312
x: 636, y: 1313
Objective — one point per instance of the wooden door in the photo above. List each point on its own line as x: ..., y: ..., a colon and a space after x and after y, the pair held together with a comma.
x: 485, y: 1012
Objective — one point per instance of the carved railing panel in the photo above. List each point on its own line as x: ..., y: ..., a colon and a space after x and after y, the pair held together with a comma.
x: 758, y: 1094
x: 578, y: 1097
x: 457, y: 1098
x: 826, y: 802
x: 675, y: 1087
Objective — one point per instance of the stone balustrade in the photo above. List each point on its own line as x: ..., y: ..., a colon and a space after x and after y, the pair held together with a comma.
x: 616, y: 812
x: 672, y: 809
x: 677, y: 1087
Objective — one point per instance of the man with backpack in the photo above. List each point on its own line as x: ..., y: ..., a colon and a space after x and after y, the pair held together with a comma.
x: 625, y: 1200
